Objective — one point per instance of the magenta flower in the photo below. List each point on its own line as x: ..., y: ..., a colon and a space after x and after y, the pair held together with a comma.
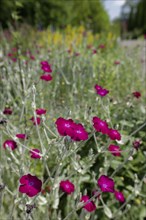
x: 36, y: 121
x: 119, y: 196
x: 7, y: 111
x: 32, y: 57
x: 10, y: 143
x: 14, y: 59
x: 40, y: 111
x: 101, y: 91
x: 136, y: 144
x: 35, y: 153
x: 90, y: 206
x: 145, y: 36
x: 115, y: 150
x: 43, y: 63
x: 30, y: 185
x: 46, y: 67
x: 114, y: 134
x: 79, y: 133
x: 67, y: 186
x: 94, y: 51
x: 68, y: 127
x: 77, y: 54
x: 117, y: 62
x: 21, y: 136
x: 100, y: 126
x: 10, y: 55
x: 97, y: 87
x: 46, y: 77
x: 106, y: 184
x: 101, y: 46
x: 136, y: 94
x: 64, y: 126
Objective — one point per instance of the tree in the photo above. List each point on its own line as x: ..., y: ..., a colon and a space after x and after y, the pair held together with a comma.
x: 92, y: 14
x: 59, y: 13
x: 137, y: 16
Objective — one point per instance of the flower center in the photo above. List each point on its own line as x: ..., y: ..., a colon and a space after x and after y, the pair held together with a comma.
x: 101, y: 124
x: 67, y: 186
x: 78, y: 132
x: 31, y: 183
x: 104, y: 185
x: 67, y: 125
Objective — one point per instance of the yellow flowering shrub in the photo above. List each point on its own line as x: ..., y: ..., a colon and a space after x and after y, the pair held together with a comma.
x: 75, y: 36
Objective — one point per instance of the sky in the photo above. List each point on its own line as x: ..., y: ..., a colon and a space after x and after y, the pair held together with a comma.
x: 113, y: 7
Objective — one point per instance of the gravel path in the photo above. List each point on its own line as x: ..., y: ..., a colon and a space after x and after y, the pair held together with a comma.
x: 132, y: 44
x: 136, y: 45
x: 136, y: 49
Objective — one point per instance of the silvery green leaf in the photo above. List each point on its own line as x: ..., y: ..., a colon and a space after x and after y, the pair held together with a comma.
x: 77, y: 166
x: 108, y: 212
x: 126, y: 123
x: 130, y: 188
x: 142, y: 108
x: 87, y: 216
x: 56, y: 198
x: 42, y: 200
x: 124, y: 139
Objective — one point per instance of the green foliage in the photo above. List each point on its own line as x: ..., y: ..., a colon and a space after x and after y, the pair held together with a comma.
x: 60, y: 13
x: 136, y: 18
x: 9, y: 11
x: 91, y: 14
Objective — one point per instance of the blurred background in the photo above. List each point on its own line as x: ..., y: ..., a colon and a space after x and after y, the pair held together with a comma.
x: 126, y: 18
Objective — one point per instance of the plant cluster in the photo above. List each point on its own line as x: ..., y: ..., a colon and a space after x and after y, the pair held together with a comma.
x: 72, y: 130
